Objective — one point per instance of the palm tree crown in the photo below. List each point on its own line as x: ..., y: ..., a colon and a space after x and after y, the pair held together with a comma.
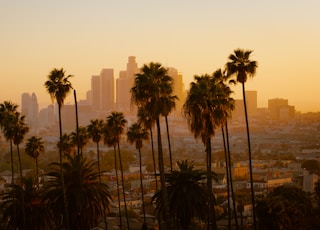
x: 58, y: 85
x: 241, y: 65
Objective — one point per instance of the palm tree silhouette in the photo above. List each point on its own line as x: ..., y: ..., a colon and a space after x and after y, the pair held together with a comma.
x: 33, y: 148
x: 95, y: 131
x: 188, y: 195
x: 59, y: 86
x: 151, y: 86
x: 136, y: 134
x: 115, y: 125
x: 204, y: 109
x: 242, y: 67
x: 145, y: 119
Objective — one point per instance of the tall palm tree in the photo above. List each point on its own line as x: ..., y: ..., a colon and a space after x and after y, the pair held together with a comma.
x: 150, y: 87
x: 204, y: 111
x: 242, y: 67
x: 66, y: 144
x: 136, y: 134
x: 95, y: 131
x: 187, y: 194
x: 110, y: 140
x: 86, y: 196
x: 58, y: 86
x: 145, y: 119
x: 34, y: 147
x: 116, y: 124
x: 8, y: 111
x: 38, y: 216
x: 20, y: 129
x: 168, y: 102
x: 80, y: 138
x: 227, y: 106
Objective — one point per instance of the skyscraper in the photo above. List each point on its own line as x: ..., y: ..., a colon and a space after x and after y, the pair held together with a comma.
x: 96, y: 92
x: 178, y: 88
x: 30, y: 109
x: 107, y: 89
x: 124, y: 84
x: 252, y: 104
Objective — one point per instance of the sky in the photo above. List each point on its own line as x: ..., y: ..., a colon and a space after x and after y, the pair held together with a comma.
x: 195, y: 37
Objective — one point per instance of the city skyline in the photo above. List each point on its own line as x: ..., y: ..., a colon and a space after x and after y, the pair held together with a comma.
x: 195, y: 38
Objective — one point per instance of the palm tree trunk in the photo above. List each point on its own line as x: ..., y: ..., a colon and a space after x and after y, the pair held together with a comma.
x: 169, y: 144
x: 65, y: 203
x: 123, y: 190
x: 117, y: 181
x: 141, y: 187
x: 77, y: 123
x: 167, y: 220
x: 22, y: 193
x: 12, y: 178
x: 12, y: 163
x: 211, y: 212
x: 154, y: 159
x: 250, y: 159
x: 230, y: 176
x: 227, y: 173
x: 37, y: 172
x: 99, y: 170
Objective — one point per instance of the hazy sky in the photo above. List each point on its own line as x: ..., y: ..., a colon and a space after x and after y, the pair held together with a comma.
x: 195, y: 37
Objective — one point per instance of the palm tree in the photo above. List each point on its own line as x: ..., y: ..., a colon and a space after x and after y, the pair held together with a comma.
x: 34, y: 147
x: 80, y: 138
x: 86, y: 196
x: 150, y: 87
x: 66, y: 144
x: 227, y: 106
x: 145, y: 119
x: 115, y: 125
x: 242, y: 67
x: 204, y: 110
x: 110, y: 140
x: 8, y: 111
x: 95, y: 131
x: 168, y: 103
x: 187, y: 195
x: 20, y: 129
x: 58, y: 86
x: 38, y: 216
x: 136, y: 134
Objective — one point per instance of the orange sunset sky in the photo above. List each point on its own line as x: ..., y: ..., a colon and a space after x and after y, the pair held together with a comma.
x: 195, y: 37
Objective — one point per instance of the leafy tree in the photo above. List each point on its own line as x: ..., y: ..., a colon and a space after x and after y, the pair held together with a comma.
x: 59, y: 86
x: 242, y: 67
x: 33, y: 148
x: 187, y: 193
x: 136, y: 134
x: 86, y: 196
x: 287, y: 207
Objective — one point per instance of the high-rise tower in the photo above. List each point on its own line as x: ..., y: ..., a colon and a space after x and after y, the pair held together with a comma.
x: 124, y: 84
x: 96, y: 92
x: 107, y: 89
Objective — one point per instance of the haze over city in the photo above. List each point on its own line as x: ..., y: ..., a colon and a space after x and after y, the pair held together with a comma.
x: 194, y: 37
